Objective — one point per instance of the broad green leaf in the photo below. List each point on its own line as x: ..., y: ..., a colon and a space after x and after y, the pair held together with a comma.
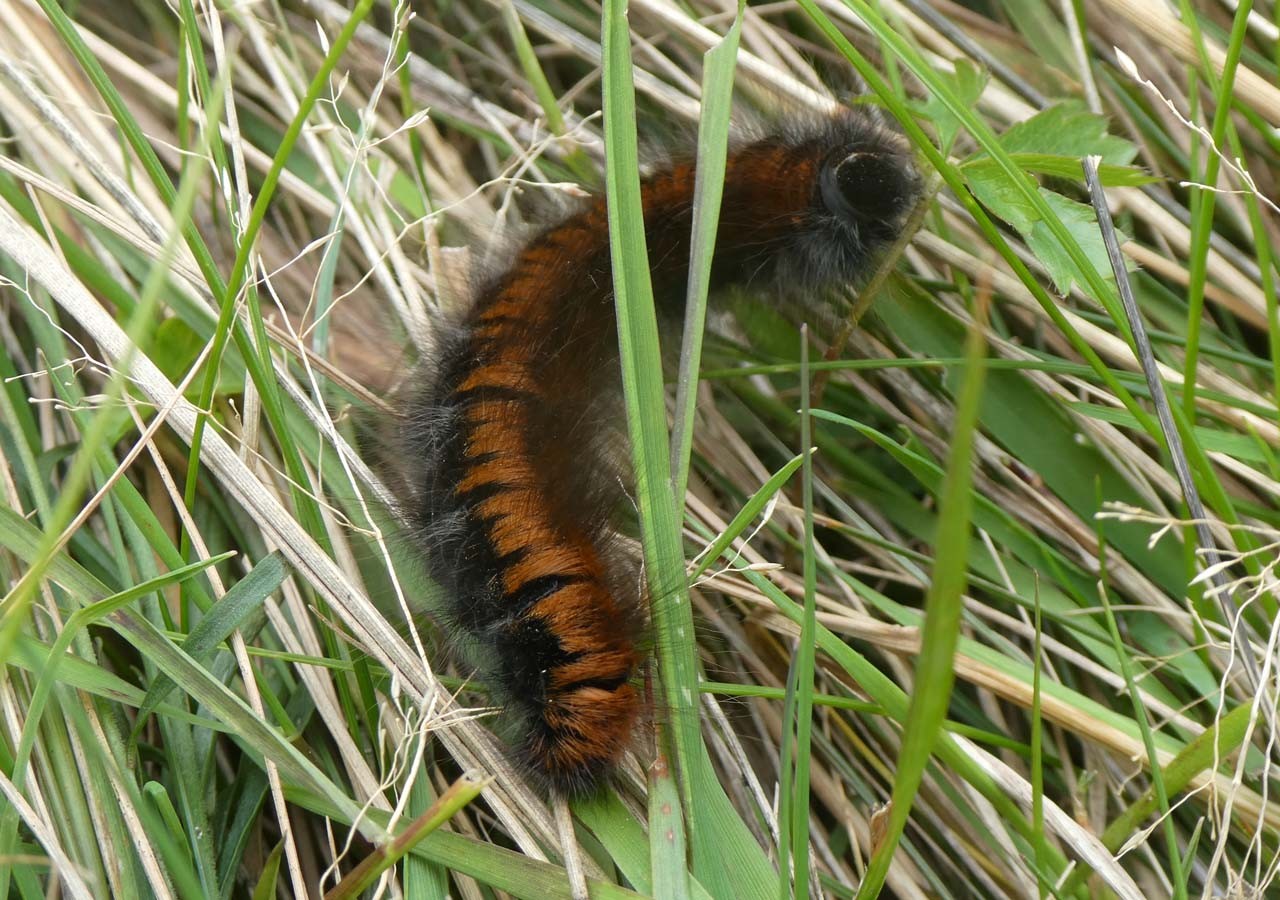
x: 996, y: 190
x: 1068, y: 129
x: 1083, y: 225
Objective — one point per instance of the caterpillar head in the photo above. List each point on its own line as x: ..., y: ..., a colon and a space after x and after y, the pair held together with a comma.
x: 871, y: 190
x: 855, y: 183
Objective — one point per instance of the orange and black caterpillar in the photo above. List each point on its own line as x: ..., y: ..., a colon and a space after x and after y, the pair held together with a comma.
x: 512, y: 490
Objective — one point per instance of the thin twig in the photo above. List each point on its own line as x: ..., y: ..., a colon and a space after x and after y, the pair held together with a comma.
x: 1142, y: 346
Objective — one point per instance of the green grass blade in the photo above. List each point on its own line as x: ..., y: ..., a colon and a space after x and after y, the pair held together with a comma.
x: 725, y: 856
x: 935, y: 671
x: 718, y: 66
x: 248, y: 594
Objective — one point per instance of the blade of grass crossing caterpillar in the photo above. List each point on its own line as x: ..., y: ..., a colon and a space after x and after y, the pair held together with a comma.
x: 668, y: 844
x: 641, y: 365
x: 718, y: 65
x: 725, y: 857
x: 944, y: 603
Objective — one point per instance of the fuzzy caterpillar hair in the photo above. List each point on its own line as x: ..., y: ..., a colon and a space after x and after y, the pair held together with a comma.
x: 509, y: 488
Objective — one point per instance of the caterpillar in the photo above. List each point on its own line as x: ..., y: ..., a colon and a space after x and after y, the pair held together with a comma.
x: 511, y: 484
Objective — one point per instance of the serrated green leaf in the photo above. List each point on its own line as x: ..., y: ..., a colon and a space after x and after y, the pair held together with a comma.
x: 1068, y: 129
x: 996, y: 190
x: 1083, y: 225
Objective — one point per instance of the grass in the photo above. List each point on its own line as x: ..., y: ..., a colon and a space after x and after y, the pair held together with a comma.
x: 980, y: 600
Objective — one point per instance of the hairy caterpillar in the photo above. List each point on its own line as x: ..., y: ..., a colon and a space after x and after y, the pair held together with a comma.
x: 509, y: 490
